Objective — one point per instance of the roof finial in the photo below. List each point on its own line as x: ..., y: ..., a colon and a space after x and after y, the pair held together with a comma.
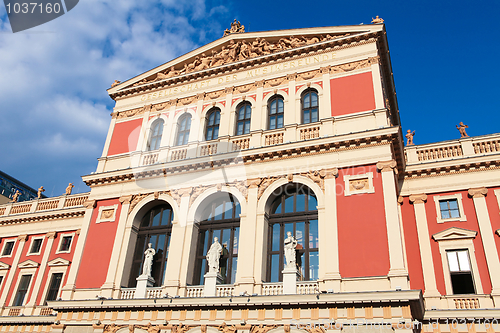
x: 377, y: 20
x: 236, y: 27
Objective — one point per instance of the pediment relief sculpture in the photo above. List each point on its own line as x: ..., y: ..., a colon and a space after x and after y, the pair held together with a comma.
x: 237, y: 51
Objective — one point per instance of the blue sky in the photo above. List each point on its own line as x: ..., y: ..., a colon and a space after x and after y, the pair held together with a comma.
x: 53, y: 78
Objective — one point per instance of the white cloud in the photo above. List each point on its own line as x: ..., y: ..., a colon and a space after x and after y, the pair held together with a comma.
x: 54, y: 106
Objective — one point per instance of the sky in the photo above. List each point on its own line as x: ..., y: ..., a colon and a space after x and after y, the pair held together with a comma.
x: 55, y: 111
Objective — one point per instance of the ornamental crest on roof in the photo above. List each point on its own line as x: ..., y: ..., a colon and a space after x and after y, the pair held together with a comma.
x: 236, y: 27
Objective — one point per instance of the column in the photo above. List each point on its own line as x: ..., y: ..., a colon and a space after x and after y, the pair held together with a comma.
x: 43, y: 266
x: 108, y: 287
x: 8, y: 281
x: 488, y: 238
x: 431, y: 293
x: 329, y: 272
x: 69, y: 287
x: 398, y: 274
x: 245, y: 272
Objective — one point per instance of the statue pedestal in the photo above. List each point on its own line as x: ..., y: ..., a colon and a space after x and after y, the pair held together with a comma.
x: 290, y: 275
x: 143, y: 282
x: 210, y: 286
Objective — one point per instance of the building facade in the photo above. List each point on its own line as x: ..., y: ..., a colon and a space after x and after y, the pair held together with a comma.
x: 250, y: 139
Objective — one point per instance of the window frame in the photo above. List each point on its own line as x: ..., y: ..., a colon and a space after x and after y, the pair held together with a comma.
x: 157, y: 137
x: 147, y: 232
x: 22, y: 273
x: 453, y: 239
x: 456, y: 196
x: 207, y: 227
x: 57, y: 265
x: 215, y: 126
x: 287, y: 218
x: 240, y: 106
x: 32, y: 241
x: 310, y: 108
x: 276, y: 97
x: 183, y: 132
x: 3, y: 248
x: 61, y: 236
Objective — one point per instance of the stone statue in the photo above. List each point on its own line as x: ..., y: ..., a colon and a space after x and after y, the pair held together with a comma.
x: 377, y: 20
x: 114, y: 84
x: 148, y: 260
x: 290, y: 245
x: 69, y: 188
x: 16, y: 195
x: 461, y: 129
x: 213, y: 256
x: 39, y: 193
x: 409, y: 137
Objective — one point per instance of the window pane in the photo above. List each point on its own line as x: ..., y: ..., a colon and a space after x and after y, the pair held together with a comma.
x: 209, y: 134
x: 248, y: 112
x: 445, y: 214
x: 166, y: 217
x: 203, y: 265
x: 226, y: 238
x: 37, y: 244
x: 313, y: 234
x: 280, y: 105
x: 314, y: 115
x: 8, y: 248
x: 273, y: 107
x: 306, y: 117
x: 454, y: 213
x: 235, y: 240
x: 233, y: 269
x: 314, y: 99
x: 237, y: 210
x: 463, y: 261
x: 453, y: 261
x: 55, y: 283
x: 288, y: 228
x: 313, y: 266
x: 289, y: 204
x: 275, y: 268
x: 300, y: 231
x: 240, y: 129
x: 453, y: 204
x: 301, y: 202
x: 280, y: 121
x: 272, y: 122
x: 228, y: 211
x: 443, y: 205
x: 275, y: 246
x: 156, y: 217
x: 160, y: 246
x: 312, y: 203
x: 205, y: 243
x: 216, y: 133
x: 218, y: 211
x: 307, y: 102
x: 247, y: 127
x: 216, y: 233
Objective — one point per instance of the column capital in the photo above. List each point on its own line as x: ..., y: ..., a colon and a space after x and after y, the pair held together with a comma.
x: 89, y: 204
x: 387, y: 166
x: 22, y: 238
x: 400, y: 200
x: 478, y: 192
x: 126, y: 199
x: 418, y: 198
x: 51, y: 235
x: 330, y: 173
x: 253, y: 183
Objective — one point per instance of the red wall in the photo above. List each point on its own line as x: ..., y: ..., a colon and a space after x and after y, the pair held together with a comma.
x: 125, y: 137
x: 411, y: 245
x: 493, y: 209
x: 97, y: 249
x: 363, y: 246
x: 352, y: 94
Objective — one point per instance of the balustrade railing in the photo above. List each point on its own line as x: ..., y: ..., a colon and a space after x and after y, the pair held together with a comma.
x: 486, y: 147
x: 194, y: 291
x: 439, y: 153
x: 274, y: 138
x: 309, y: 133
x: 65, y: 201
x: 224, y: 290
x: 150, y: 159
x: 127, y: 293
x: 307, y: 287
x: 178, y: 154
x: 154, y: 292
x: 241, y: 144
x: 466, y: 303
x: 269, y: 289
x: 208, y: 149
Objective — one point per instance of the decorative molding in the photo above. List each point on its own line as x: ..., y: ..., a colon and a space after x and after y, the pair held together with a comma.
x: 387, y: 166
x: 418, y: 198
x: 400, y: 200
x: 107, y: 213
x: 126, y: 200
x: 358, y: 184
x: 479, y: 192
x: 454, y: 233
x: 136, y: 198
x: 458, y: 198
x: 22, y: 238
x: 349, y: 67
x: 89, y: 204
x: 28, y: 264
x: 51, y: 235
x: 67, y: 215
x: 309, y: 75
x: 59, y: 262
x: 4, y: 266
x: 245, y: 88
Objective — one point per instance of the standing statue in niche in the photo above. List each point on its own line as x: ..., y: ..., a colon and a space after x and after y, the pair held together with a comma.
x: 461, y: 129
x: 290, y: 245
x: 148, y: 260
x: 213, y: 256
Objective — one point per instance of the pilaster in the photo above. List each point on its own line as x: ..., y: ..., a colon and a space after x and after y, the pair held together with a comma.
x: 12, y: 272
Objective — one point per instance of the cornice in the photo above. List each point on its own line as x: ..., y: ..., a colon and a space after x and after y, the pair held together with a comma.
x: 274, y: 58
x: 40, y: 218
x: 280, y: 152
x: 459, y: 168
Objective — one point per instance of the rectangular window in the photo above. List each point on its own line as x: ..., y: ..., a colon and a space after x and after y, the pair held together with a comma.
x: 36, y: 246
x: 460, y: 271
x: 1, y: 279
x: 22, y: 290
x: 65, y: 244
x: 449, y: 208
x: 7, y: 248
x: 55, y: 283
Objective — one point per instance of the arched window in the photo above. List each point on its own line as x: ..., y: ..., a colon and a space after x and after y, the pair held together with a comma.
x: 293, y: 209
x: 183, y: 128
x: 212, y: 128
x: 275, y: 110
x: 155, y: 228
x: 243, y: 115
x: 310, y: 106
x: 155, y: 136
x: 221, y: 219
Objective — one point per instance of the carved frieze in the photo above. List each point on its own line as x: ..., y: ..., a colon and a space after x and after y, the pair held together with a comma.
x: 350, y: 66
x: 261, y: 328
x: 215, y: 94
x: 135, y: 200
x: 130, y: 113
x: 275, y: 82
x: 309, y: 75
x: 245, y: 88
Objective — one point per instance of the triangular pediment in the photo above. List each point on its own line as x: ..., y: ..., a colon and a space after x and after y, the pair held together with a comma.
x: 28, y: 264
x: 454, y: 233
x: 4, y: 265
x: 59, y: 262
x: 244, y: 47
